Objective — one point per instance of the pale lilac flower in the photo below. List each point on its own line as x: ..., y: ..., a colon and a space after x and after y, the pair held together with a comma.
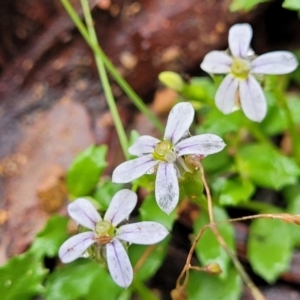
x: 242, y: 68
x: 166, y: 156
x: 106, y: 236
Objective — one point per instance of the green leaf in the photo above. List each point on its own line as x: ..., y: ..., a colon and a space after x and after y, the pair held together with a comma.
x: 295, y: 76
x: 275, y: 121
x: 293, y: 102
x: 205, y: 286
x: 208, y: 249
x: 291, y: 4
x: 104, y: 193
x: 218, y: 162
x: 142, y: 290
x: 134, y: 135
x: 146, y: 181
x: 22, y: 277
x: 153, y: 260
x: 270, y: 248
x: 266, y: 167
x: 150, y: 211
x: 235, y: 191
x: 200, y: 89
x: 85, y: 170
x: 217, y: 123
x: 75, y: 280
x: 192, y: 186
x: 292, y: 197
x: 103, y: 287
x: 245, y: 5
x: 48, y: 241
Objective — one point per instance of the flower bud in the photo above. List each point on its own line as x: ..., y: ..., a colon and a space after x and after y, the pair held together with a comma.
x: 171, y: 80
x: 179, y: 294
x: 214, y: 269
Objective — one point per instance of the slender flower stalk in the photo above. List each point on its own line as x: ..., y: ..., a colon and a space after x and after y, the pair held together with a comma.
x: 108, y: 240
x: 241, y: 66
x: 104, y: 79
x: 167, y: 157
x: 137, y: 101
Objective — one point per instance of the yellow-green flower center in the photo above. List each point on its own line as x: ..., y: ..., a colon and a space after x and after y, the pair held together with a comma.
x: 104, y: 228
x: 163, y: 151
x: 240, y: 68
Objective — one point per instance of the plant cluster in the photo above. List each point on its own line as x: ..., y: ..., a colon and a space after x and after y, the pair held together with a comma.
x: 234, y: 120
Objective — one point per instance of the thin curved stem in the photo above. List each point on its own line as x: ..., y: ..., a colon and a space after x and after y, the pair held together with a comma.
x: 104, y: 80
x: 137, y: 101
x: 247, y: 280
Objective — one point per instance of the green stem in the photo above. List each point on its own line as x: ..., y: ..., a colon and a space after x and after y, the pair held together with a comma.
x: 141, y: 289
x: 258, y: 134
x: 104, y: 80
x: 257, y: 206
x: 292, y: 129
x: 137, y: 101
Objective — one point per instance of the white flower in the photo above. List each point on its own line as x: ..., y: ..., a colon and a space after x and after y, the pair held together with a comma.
x: 241, y: 69
x: 106, y: 236
x: 166, y: 155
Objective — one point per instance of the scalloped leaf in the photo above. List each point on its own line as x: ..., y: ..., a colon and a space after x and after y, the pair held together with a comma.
x: 85, y: 170
x: 266, y: 167
x: 235, y: 191
x: 48, y: 241
x: 77, y: 280
x: 205, y: 286
x: 270, y: 248
x: 22, y: 277
x: 105, y: 192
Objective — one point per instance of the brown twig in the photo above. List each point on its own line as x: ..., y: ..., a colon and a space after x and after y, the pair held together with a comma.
x: 257, y: 295
x: 143, y: 258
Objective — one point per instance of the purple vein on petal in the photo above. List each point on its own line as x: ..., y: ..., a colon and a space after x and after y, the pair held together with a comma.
x: 121, y: 205
x: 225, y: 96
x: 133, y: 169
x: 73, y: 248
x: 84, y: 213
x: 119, y: 264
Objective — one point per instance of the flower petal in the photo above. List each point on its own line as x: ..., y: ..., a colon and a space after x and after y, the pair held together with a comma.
x: 143, y: 145
x: 119, y: 264
x: 166, y: 187
x: 239, y: 39
x: 84, y: 213
x: 216, y: 62
x: 277, y: 62
x: 120, y: 207
x: 74, y: 247
x: 142, y: 233
x: 179, y: 121
x: 225, y: 96
x: 200, y: 144
x: 133, y: 169
x: 252, y: 99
